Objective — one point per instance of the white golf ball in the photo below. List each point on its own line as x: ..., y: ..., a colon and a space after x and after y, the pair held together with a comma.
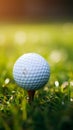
x: 31, y: 71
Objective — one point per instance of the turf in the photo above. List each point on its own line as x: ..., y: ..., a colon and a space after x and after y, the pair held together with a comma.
x: 52, y: 108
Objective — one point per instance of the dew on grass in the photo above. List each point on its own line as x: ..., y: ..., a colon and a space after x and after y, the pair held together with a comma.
x: 7, y: 81
x: 71, y: 99
x: 8, y: 102
x: 11, y: 97
x: 57, y: 83
x: 13, y: 91
x: 62, y: 102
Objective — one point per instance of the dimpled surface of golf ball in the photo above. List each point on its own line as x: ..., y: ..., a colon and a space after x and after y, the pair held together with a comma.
x: 31, y: 71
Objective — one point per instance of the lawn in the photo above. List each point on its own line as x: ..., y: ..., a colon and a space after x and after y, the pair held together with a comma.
x: 52, y: 108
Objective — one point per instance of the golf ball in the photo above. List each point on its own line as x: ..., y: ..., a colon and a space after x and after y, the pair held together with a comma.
x: 31, y: 71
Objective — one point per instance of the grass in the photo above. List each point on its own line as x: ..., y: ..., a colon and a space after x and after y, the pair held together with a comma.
x: 52, y: 108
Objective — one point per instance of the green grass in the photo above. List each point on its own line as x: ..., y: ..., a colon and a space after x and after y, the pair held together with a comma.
x: 52, y: 108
